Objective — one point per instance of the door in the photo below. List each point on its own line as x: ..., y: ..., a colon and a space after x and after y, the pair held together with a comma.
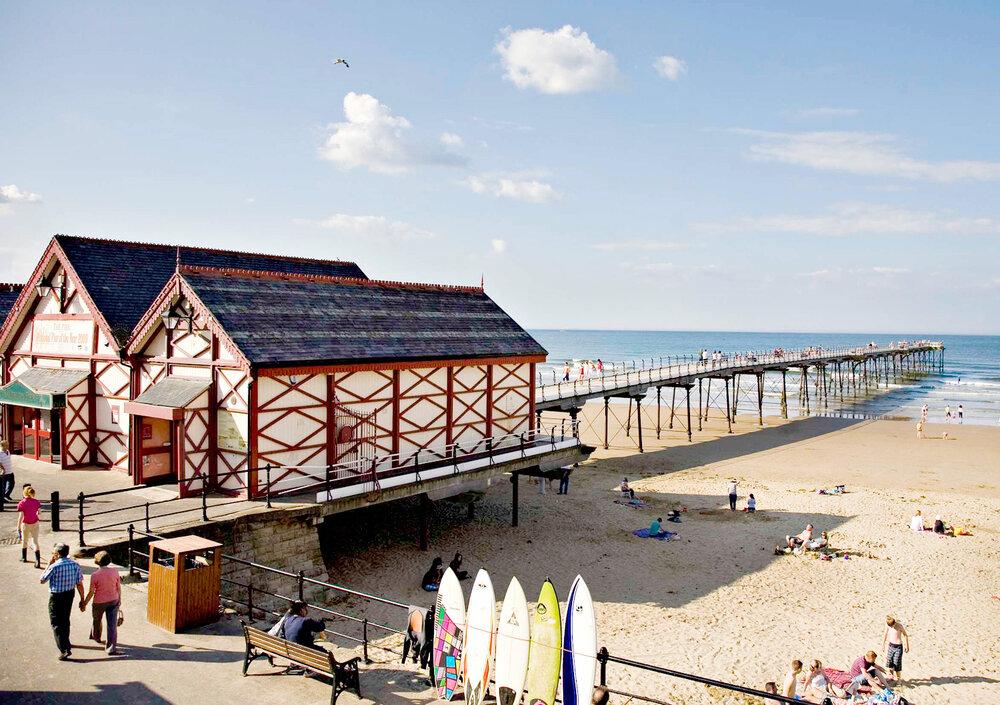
x: 40, y: 434
x: 157, y: 451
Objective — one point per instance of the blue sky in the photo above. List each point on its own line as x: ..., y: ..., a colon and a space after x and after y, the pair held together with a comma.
x: 667, y: 166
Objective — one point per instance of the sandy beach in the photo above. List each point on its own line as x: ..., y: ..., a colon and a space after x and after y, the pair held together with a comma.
x: 716, y: 600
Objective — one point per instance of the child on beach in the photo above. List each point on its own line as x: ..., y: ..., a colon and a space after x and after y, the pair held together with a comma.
x: 898, y: 641
x: 920, y: 429
x: 751, y: 503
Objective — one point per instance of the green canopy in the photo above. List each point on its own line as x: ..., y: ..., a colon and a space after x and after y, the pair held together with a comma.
x: 42, y: 387
x: 18, y: 394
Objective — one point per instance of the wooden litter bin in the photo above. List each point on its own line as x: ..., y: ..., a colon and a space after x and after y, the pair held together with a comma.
x: 185, y: 580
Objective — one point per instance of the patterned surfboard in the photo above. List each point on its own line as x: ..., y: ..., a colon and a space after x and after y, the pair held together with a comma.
x: 449, y: 635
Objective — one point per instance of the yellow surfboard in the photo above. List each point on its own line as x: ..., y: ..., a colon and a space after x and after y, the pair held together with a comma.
x: 545, y: 649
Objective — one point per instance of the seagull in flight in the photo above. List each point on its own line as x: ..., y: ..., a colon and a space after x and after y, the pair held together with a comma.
x: 342, y: 61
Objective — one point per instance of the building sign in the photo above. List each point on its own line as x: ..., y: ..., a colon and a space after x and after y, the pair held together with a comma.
x: 63, y: 335
x: 232, y: 435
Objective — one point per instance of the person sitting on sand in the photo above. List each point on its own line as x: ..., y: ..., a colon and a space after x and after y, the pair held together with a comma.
x: 816, y: 544
x: 627, y: 492
x: 791, y: 679
x: 456, y: 567
x: 815, y: 683
x: 941, y: 528
x: 751, y: 503
x: 656, y: 526
x: 917, y: 522
x: 800, y: 538
x: 772, y: 688
x: 432, y: 578
x: 864, y: 671
x: 675, y: 516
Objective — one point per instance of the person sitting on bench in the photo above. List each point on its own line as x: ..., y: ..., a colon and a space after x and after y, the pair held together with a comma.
x: 298, y: 628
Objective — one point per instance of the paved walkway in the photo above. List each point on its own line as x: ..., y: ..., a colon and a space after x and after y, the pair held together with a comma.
x: 154, y: 666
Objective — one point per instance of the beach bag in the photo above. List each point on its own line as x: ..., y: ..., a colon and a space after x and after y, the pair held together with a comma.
x: 121, y: 616
x: 278, y: 629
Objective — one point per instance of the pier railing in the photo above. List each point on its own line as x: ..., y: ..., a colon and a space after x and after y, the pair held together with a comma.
x: 256, y: 603
x: 680, y: 368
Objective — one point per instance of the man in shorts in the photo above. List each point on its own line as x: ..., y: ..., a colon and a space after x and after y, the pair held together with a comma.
x: 898, y: 641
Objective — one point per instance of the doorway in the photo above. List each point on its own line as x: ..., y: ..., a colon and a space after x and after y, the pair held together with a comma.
x: 158, y: 457
x: 38, y: 433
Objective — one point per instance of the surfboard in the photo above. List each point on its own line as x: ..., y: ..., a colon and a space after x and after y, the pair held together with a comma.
x: 512, y: 646
x: 449, y: 635
x: 579, y: 646
x: 481, y: 623
x: 544, y: 649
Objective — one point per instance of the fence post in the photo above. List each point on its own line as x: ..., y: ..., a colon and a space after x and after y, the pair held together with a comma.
x: 204, y: 501
x: 79, y: 499
x: 267, y: 477
x: 364, y: 639
x: 147, y: 517
x: 602, y: 657
x: 131, y: 549
x: 302, y: 586
x: 54, y: 508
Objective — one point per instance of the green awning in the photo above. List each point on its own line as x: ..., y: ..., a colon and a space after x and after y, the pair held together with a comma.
x: 41, y: 387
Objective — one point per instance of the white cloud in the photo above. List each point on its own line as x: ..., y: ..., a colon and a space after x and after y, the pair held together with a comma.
x: 374, y: 138
x: 450, y: 139
x: 557, y: 62
x: 869, y: 277
x: 638, y: 246
x: 13, y: 194
x: 498, y: 246
x: 376, y: 228
x: 671, y: 270
x: 826, y: 112
x: 670, y: 67
x: 860, y: 219
x: 865, y: 153
x: 520, y: 189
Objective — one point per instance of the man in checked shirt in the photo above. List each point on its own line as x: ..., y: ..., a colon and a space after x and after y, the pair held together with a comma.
x: 63, y: 575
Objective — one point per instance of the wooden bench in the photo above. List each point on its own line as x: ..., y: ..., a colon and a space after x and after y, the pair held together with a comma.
x: 345, y: 674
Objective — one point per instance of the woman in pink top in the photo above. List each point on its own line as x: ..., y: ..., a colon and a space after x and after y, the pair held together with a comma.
x: 106, y: 592
x: 27, y: 524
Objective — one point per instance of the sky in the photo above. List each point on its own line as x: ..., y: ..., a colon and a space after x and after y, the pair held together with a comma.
x: 678, y: 166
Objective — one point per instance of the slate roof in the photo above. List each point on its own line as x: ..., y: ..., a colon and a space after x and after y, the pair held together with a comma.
x: 51, y: 380
x: 8, y: 295
x: 174, y: 392
x: 123, y: 278
x: 286, y: 321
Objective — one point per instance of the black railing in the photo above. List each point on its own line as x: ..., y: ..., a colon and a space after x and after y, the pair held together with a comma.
x: 253, y: 607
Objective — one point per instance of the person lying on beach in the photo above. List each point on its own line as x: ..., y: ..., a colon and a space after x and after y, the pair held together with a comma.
x: 816, y: 544
x: 800, y: 538
x: 627, y: 492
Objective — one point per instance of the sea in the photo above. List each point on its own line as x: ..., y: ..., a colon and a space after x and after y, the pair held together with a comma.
x: 971, y: 375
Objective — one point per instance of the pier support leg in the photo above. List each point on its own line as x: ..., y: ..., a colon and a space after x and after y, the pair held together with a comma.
x: 699, y: 403
x: 784, y: 395
x: 688, y: 395
x: 805, y: 388
x: 736, y: 394
x: 673, y: 404
x: 628, y: 419
x: 426, y: 507
x: 606, y: 423
x: 708, y: 397
x: 760, y: 398
x: 658, y: 389
x: 514, y: 477
x: 638, y: 420
x: 729, y: 418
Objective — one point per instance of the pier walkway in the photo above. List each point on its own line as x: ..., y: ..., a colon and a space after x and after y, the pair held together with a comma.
x: 833, y: 374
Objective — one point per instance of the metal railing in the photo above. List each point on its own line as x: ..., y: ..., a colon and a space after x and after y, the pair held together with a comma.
x: 680, y: 367
x: 251, y: 599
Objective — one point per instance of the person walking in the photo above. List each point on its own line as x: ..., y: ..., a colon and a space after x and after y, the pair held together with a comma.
x: 63, y: 575
x: 565, y: 372
x: 106, y: 593
x: 947, y: 413
x: 27, y: 525
x: 6, y: 472
x: 895, y: 641
x: 732, y: 495
x: 564, y: 480
x: 960, y: 413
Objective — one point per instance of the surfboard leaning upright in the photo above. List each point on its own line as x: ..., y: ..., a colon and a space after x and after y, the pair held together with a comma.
x: 544, y: 651
x: 512, y: 646
x: 481, y: 621
x: 449, y: 635
x: 579, y: 646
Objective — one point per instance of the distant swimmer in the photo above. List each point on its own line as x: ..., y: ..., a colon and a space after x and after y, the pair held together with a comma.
x: 342, y: 61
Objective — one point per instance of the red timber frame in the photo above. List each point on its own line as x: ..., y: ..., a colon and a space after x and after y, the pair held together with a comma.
x: 199, y: 353
x: 80, y: 419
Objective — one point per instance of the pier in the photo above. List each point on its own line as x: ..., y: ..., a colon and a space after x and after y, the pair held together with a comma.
x: 824, y: 375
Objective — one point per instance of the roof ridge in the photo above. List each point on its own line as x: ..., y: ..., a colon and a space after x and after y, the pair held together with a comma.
x: 13, y: 286
x: 213, y: 250
x: 330, y: 279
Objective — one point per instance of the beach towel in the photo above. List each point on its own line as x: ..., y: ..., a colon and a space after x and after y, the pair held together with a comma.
x: 662, y: 536
x: 839, y: 678
x: 632, y: 503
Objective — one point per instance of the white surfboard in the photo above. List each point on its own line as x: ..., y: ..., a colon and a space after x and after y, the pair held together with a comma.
x: 579, y: 646
x: 512, y: 646
x: 449, y: 635
x: 481, y: 623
